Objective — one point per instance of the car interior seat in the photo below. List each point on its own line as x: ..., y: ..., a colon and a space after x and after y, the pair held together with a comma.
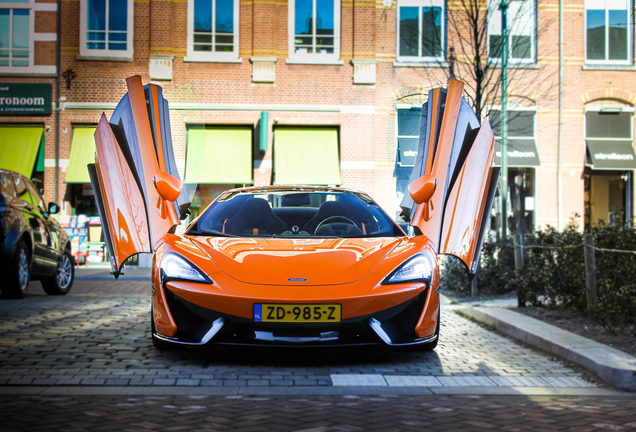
x: 326, y: 210
x: 255, y: 218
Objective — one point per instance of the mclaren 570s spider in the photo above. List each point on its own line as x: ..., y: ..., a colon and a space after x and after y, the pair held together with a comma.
x: 296, y: 265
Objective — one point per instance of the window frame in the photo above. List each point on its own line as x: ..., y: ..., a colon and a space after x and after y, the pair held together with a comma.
x: 630, y: 36
x: 212, y: 56
x: 513, y: 109
x: 106, y: 54
x: 534, y: 34
x: 305, y: 58
x: 29, y: 6
x: 420, y: 4
x: 403, y: 107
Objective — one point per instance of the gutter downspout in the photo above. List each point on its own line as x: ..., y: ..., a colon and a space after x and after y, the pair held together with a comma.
x: 560, y: 144
x: 57, y: 101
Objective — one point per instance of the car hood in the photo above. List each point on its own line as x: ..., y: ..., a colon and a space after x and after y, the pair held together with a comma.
x: 269, y: 261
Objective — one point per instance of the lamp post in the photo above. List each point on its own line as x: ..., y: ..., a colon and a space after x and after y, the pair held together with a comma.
x: 504, y: 117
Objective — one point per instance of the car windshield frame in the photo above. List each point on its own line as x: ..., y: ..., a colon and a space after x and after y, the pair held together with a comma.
x: 294, y: 213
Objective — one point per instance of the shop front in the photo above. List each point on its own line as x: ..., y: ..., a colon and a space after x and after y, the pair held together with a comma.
x: 306, y: 156
x: 84, y: 225
x: 523, y: 158
x: 22, y: 143
x: 407, y: 136
x: 217, y: 158
x: 609, y: 165
x: 22, y: 151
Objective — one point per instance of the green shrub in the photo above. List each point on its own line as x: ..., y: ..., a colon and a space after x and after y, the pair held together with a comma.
x: 615, y: 276
x: 453, y: 274
x: 554, y: 271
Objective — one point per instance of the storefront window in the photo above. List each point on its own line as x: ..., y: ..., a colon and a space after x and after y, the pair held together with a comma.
x: 610, y: 161
x: 523, y: 156
x: 408, y: 136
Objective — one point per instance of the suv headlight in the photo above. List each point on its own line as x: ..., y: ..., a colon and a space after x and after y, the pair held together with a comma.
x: 174, y: 267
x: 415, y: 269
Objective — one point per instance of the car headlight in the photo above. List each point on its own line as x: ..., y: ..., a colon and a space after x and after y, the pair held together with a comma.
x: 173, y: 267
x: 416, y: 269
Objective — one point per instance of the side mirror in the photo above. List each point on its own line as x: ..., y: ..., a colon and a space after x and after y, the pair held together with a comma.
x: 422, y: 189
x: 168, y: 187
x: 53, y: 208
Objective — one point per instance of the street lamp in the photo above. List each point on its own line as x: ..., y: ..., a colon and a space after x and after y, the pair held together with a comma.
x: 504, y: 117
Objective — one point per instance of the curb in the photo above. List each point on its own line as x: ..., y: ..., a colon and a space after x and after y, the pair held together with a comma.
x: 305, y: 391
x: 613, y: 366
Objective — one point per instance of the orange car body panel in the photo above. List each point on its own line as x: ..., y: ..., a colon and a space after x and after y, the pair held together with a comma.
x: 161, y: 215
x: 466, y: 201
x: 431, y: 227
x: 164, y: 323
x: 268, y: 261
x: 128, y: 223
x: 364, y: 296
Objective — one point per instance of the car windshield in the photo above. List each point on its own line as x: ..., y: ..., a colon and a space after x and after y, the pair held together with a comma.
x: 294, y: 213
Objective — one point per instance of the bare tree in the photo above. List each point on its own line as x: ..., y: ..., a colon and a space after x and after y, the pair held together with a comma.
x: 474, y: 50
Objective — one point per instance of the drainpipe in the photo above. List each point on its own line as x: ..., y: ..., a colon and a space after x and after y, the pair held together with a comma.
x: 504, y: 118
x: 559, y: 161
x: 58, y: 63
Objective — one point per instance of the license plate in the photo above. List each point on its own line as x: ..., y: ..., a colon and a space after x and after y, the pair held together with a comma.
x: 300, y: 313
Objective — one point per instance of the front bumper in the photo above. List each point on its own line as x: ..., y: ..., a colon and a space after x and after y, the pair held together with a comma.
x: 197, y: 325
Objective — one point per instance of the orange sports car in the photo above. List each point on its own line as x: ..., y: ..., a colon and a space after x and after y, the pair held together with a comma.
x: 293, y: 265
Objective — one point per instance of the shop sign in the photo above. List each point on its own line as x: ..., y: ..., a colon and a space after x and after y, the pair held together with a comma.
x: 407, y: 151
x: 30, y: 99
x: 87, y: 190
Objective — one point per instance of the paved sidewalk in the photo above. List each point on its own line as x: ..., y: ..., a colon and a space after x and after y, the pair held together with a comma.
x: 103, y: 340
x: 317, y: 413
x: 613, y: 366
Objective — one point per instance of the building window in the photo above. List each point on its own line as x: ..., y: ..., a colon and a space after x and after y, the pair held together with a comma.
x: 608, y: 31
x: 213, y: 30
x: 522, y: 24
x: 407, y: 140
x: 421, y: 30
x: 16, y: 41
x: 106, y: 28
x: 314, y: 30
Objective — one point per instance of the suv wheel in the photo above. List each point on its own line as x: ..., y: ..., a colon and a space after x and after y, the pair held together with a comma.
x: 62, y: 281
x: 19, y: 273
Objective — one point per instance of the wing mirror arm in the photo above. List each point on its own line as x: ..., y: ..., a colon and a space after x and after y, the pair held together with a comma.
x: 168, y: 188
x: 422, y: 190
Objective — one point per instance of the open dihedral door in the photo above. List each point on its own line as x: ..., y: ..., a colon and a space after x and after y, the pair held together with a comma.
x: 135, y: 179
x: 453, y: 182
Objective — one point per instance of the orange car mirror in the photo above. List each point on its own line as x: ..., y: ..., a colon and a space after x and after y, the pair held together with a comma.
x: 168, y: 187
x: 422, y: 189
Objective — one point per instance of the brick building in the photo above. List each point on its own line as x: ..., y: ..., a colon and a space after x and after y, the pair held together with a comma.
x: 325, y: 92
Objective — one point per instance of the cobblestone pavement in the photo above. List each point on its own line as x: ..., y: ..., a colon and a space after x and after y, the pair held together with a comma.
x: 317, y: 413
x: 103, y: 340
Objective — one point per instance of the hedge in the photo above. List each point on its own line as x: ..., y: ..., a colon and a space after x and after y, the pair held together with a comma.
x: 554, y: 271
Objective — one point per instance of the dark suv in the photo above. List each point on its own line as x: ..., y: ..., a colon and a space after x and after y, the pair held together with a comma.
x: 32, y: 244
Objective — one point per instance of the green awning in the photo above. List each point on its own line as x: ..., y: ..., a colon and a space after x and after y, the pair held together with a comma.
x: 306, y: 156
x: 39, y: 163
x: 82, y: 154
x: 19, y: 148
x: 219, y: 155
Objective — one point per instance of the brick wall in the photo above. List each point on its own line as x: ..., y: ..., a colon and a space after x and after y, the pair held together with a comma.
x: 368, y: 32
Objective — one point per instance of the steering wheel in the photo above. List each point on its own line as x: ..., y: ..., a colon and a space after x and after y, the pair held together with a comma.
x: 349, y: 221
